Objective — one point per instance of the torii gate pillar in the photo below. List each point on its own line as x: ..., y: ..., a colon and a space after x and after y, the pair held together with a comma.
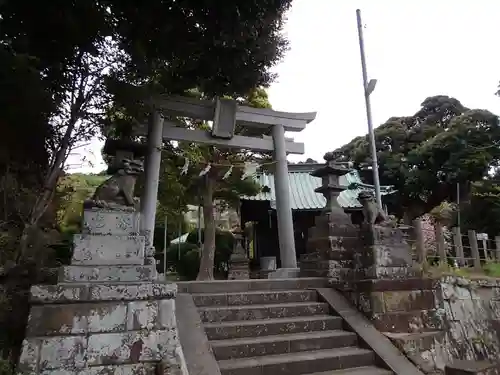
x: 283, y: 207
x: 151, y: 177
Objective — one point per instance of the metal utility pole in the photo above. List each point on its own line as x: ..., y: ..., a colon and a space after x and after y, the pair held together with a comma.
x: 368, y: 88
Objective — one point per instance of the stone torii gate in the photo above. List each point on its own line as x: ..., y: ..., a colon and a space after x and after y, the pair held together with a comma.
x: 225, y: 114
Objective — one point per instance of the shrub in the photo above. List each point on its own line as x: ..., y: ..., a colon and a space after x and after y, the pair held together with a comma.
x: 185, y: 257
x: 224, y: 243
x: 6, y: 367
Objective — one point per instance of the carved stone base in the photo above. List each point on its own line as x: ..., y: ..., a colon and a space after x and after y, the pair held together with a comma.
x: 388, y: 288
x: 107, y: 314
x: 110, y: 222
x: 330, y: 247
x: 284, y: 273
x: 239, y: 272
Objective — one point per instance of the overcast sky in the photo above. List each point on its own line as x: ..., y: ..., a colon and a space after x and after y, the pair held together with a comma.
x: 414, y: 48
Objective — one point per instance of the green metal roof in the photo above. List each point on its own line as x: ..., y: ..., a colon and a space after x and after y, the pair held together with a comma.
x: 302, y: 186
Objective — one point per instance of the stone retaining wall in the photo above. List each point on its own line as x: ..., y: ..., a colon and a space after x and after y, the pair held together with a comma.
x: 470, y: 313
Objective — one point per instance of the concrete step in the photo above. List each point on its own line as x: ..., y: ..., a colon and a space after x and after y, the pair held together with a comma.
x: 365, y: 370
x: 281, y: 344
x: 270, y: 327
x: 268, y: 311
x: 254, y: 298
x: 99, y: 274
x: 235, y: 286
x: 94, y: 250
x: 299, y: 363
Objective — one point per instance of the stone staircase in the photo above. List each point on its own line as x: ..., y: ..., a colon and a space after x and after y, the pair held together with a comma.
x: 263, y: 327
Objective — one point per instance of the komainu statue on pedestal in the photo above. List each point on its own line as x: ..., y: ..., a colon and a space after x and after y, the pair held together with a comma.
x: 117, y: 192
x: 372, y: 213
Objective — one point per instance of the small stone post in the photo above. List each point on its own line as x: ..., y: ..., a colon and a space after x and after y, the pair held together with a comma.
x: 459, y: 248
x: 333, y: 238
x: 238, y: 262
x: 474, y: 249
x: 440, y: 243
x: 419, y: 242
x: 497, y: 250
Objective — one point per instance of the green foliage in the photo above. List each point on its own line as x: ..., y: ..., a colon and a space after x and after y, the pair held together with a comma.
x: 492, y: 269
x: 425, y: 155
x: 185, y: 258
x: 6, y: 368
x: 224, y: 242
x: 72, y: 191
x: 482, y: 211
x: 172, y: 233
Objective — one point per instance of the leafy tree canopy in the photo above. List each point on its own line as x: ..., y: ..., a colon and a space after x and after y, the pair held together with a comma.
x: 424, y: 156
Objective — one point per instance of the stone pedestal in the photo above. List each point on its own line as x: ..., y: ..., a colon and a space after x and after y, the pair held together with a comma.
x: 387, y: 288
x: 108, y: 314
x: 238, y: 262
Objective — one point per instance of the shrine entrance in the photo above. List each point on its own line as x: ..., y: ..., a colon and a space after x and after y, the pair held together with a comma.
x: 225, y: 114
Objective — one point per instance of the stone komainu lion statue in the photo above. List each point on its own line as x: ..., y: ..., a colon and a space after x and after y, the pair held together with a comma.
x: 118, y: 190
x: 373, y: 215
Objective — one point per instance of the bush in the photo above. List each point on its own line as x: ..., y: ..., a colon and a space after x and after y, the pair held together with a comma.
x: 224, y: 243
x: 186, y: 257
x: 6, y: 367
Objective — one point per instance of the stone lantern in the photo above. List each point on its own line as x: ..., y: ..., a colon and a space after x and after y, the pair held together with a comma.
x: 333, y: 238
x: 330, y: 175
x: 238, y: 262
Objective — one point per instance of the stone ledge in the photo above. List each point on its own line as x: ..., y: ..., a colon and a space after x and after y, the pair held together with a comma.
x: 40, y: 355
x: 81, y: 293
x: 110, y: 222
x: 96, y: 250
x: 407, y: 321
x: 137, y: 369
x: 198, y: 354
x: 100, y: 317
x: 103, y: 274
x: 396, y: 285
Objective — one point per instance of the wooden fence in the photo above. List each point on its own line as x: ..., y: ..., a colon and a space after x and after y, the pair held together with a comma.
x: 459, y: 249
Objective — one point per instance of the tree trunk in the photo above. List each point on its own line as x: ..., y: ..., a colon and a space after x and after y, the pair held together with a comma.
x: 206, y: 271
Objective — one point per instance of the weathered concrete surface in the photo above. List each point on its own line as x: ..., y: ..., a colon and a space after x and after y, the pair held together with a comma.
x: 105, y: 317
x: 80, y: 335
x: 470, y: 313
x: 106, y: 292
x: 199, y: 357
x: 110, y: 222
x: 107, y: 274
x: 92, y: 250
x: 383, y: 348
